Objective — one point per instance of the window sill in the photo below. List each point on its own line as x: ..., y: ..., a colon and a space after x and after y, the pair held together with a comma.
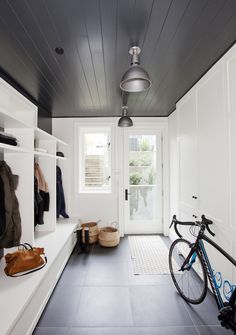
x: 94, y: 192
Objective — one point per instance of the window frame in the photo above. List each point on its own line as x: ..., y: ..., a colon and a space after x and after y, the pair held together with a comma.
x: 86, y: 129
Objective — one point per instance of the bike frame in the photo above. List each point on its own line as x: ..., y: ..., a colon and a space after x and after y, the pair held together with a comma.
x: 199, y: 246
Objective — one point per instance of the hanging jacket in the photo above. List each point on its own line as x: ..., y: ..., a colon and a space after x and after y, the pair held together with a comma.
x: 2, y: 209
x: 44, y: 194
x: 61, y: 205
x: 38, y: 204
x: 12, y: 230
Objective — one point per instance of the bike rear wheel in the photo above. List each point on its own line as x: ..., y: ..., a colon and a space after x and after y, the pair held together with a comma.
x: 190, y: 282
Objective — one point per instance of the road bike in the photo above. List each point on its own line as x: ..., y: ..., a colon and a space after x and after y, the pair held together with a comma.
x: 190, y: 267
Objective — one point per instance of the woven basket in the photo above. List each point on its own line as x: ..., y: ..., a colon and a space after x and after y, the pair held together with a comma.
x: 93, y: 231
x: 109, y: 237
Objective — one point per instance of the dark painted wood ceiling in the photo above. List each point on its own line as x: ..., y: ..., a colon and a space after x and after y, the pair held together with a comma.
x: 180, y: 40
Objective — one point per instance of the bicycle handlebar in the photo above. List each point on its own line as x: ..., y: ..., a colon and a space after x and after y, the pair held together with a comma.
x: 205, y: 222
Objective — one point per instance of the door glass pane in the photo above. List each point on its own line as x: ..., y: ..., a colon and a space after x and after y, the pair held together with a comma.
x: 142, y: 177
x: 96, y: 156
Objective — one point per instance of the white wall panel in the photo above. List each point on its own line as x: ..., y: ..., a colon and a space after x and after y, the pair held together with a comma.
x: 187, y: 146
x: 206, y: 137
x: 213, y: 164
x: 231, y: 79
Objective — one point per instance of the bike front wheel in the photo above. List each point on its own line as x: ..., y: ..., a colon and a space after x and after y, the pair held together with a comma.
x: 191, y: 282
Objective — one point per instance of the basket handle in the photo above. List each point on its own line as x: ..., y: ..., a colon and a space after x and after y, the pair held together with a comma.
x: 114, y: 224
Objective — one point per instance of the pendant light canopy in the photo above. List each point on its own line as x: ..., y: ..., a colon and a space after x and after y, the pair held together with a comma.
x: 135, y: 79
x: 125, y: 120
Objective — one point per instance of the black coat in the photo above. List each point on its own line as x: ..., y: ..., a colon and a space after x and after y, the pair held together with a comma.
x: 61, y: 206
x: 2, y: 208
x: 12, y: 227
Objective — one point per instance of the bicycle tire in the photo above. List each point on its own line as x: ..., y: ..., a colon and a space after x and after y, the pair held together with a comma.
x: 195, y: 277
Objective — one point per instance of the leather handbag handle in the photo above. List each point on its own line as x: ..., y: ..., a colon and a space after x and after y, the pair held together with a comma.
x: 26, y: 246
x: 29, y: 245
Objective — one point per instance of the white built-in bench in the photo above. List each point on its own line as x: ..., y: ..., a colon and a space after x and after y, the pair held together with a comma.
x: 23, y: 299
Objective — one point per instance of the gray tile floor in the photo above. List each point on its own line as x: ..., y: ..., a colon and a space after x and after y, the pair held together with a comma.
x: 98, y: 294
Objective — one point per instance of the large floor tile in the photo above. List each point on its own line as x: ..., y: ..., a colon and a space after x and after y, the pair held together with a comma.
x: 190, y: 330
x: 205, y: 313
x: 102, y: 331
x: 75, y: 271
x: 119, y: 253
x: 51, y: 331
x: 107, y: 274
x: 158, y: 306
x: 214, y: 330
x: 61, y: 307
x: 104, y: 307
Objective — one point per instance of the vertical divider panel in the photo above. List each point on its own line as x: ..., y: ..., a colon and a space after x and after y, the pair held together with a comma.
x: 22, y: 165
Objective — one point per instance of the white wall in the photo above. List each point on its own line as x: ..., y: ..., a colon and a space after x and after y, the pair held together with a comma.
x: 107, y: 207
x: 202, y: 138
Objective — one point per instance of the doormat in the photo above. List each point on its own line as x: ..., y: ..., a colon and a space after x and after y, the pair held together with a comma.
x: 149, y: 255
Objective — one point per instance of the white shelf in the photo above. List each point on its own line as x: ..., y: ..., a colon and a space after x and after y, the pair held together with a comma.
x: 70, y: 220
x: 42, y: 135
x: 6, y: 148
x: 62, y: 158
x: 60, y: 141
x: 7, y: 120
x: 44, y: 154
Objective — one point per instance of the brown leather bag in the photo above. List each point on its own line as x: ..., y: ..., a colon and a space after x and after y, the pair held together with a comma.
x: 26, y: 258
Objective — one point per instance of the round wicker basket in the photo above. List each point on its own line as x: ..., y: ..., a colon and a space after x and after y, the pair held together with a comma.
x: 93, y: 231
x: 109, y: 237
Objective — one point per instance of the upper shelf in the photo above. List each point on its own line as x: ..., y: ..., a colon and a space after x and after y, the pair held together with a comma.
x: 60, y: 141
x: 7, y: 120
x: 17, y: 105
x: 40, y: 134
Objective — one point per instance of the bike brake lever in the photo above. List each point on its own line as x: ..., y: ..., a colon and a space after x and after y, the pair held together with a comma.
x: 173, y: 220
x: 207, y: 223
x: 176, y: 230
x: 210, y: 231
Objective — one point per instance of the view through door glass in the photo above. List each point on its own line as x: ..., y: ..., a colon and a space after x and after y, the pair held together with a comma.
x: 142, y: 177
x: 143, y: 182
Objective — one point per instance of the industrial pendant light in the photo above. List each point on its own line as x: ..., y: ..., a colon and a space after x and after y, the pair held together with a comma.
x: 125, y: 121
x: 135, y: 79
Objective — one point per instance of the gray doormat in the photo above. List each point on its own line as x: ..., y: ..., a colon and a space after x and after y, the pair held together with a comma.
x: 149, y: 255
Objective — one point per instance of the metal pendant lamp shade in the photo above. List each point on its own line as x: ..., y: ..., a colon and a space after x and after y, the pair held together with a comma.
x: 125, y: 120
x: 135, y: 79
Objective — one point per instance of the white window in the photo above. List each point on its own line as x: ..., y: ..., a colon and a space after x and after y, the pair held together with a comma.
x: 95, y: 160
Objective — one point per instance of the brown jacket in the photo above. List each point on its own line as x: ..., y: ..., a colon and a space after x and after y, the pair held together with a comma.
x: 12, y: 234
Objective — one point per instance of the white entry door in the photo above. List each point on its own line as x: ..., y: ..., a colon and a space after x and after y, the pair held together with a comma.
x: 142, y: 181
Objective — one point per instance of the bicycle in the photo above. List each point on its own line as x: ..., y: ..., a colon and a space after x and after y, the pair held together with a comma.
x: 190, y: 267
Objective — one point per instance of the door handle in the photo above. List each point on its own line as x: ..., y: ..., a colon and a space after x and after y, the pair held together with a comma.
x: 126, y: 194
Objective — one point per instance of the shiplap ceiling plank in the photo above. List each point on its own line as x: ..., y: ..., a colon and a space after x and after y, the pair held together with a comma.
x: 180, y: 41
